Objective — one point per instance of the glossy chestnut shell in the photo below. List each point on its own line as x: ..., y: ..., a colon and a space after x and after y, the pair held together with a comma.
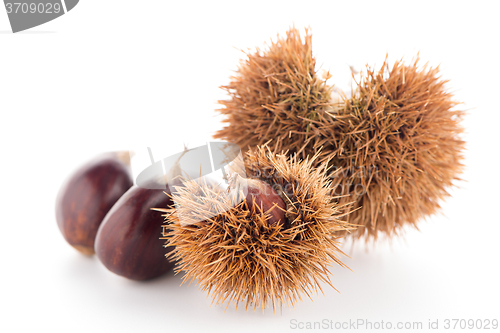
x: 88, y: 195
x: 262, y: 197
x: 128, y: 241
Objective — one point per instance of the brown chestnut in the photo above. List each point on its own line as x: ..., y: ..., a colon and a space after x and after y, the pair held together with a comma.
x: 261, y: 197
x: 128, y: 241
x: 88, y: 195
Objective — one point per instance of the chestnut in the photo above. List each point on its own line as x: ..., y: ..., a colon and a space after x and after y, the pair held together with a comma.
x: 88, y: 194
x: 128, y: 241
x: 261, y: 197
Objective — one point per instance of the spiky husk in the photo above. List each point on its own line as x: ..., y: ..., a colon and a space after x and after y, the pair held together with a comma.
x: 237, y: 257
x: 276, y: 95
x: 398, y: 147
x: 395, y: 144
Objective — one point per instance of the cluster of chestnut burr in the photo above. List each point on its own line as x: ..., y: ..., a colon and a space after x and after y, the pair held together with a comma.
x: 272, y: 234
x: 100, y: 211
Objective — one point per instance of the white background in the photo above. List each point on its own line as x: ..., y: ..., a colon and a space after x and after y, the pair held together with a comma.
x: 114, y: 74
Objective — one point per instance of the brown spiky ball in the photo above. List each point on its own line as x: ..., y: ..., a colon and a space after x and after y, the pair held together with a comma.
x: 393, y: 147
x: 237, y: 255
x: 277, y: 95
x: 397, y: 144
